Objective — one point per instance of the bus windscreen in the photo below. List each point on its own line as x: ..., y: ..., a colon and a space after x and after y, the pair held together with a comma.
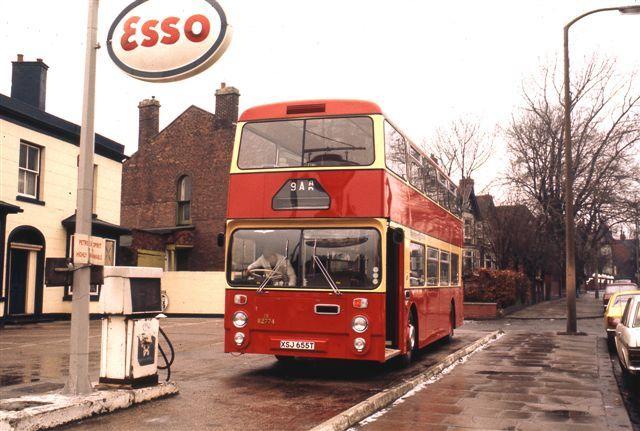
x: 285, y: 258
x: 307, y: 143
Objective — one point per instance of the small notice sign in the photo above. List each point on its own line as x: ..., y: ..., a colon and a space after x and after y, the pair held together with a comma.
x: 88, y: 249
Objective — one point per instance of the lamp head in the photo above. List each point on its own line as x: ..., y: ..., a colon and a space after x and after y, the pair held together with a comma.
x: 630, y: 10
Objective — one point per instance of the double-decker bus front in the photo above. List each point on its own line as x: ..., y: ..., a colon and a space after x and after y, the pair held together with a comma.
x: 314, y: 265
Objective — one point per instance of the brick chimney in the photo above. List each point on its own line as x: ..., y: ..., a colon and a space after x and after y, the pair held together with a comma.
x: 227, y: 100
x: 149, y: 120
x: 29, y: 82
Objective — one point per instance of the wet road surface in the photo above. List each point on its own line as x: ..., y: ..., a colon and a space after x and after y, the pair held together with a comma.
x: 217, y: 390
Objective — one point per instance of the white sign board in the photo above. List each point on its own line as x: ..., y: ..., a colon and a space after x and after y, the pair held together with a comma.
x: 168, y: 40
x: 88, y: 249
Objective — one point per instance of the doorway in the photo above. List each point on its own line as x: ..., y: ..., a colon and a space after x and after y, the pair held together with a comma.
x: 25, y: 272
x: 18, y: 277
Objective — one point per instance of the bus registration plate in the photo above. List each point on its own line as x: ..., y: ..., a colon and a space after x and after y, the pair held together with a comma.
x: 297, y: 345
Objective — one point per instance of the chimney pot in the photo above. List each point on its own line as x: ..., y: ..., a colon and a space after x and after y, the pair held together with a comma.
x: 39, y: 60
x: 20, y: 58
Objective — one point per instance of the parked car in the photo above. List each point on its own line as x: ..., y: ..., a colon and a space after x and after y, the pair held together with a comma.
x: 613, y: 313
x: 617, y: 287
x: 628, y: 337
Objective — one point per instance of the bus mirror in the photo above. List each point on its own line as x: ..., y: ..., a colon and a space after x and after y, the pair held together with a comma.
x: 398, y: 236
x: 221, y: 240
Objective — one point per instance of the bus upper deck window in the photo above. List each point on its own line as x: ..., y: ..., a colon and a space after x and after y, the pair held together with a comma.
x: 310, y: 142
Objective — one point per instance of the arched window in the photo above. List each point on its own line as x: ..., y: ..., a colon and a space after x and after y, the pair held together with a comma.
x: 184, y: 200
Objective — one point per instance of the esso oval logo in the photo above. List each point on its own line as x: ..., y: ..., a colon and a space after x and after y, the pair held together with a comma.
x: 168, y: 40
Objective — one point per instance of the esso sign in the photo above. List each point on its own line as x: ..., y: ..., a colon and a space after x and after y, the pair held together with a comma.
x: 168, y: 40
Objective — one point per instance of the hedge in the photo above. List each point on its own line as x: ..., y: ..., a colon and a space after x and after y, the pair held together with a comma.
x: 502, y: 286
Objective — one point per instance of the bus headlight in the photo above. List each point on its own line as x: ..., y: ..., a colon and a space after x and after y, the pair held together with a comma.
x: 359, y: 344
x: 359, y: 324
x: 238, y: 338
x: 240, y: 319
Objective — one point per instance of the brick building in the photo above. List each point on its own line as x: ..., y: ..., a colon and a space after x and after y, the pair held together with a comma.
x: 174, y: 188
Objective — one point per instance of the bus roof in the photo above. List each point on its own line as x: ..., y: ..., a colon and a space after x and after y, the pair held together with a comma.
x: 310, y: 108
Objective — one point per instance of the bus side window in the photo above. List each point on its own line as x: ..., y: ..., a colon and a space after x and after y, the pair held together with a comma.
x: 416, y: 265
x: 455, y: 269
x: 430, y: 180
x: 415, y: 170
x: 395, y: 150
x: 444, y: 268
x: 433, y: 259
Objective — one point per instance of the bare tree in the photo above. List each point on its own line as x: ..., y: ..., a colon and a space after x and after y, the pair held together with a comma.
x: 606, y: 132
x: 463, y: 147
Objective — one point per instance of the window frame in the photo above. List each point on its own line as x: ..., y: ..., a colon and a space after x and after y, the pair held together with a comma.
x: 386, y: 123
x: 26, y: 169
x: 448, y: 264
x: 436, y: 283
x: 421, y: 247
x: 181, y: 203
x: 300, y: 287
x: 456, y: 266
x: 304, y: 120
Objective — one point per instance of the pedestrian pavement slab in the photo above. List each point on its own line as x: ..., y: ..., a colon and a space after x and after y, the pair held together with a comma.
x: 571, y: 387
x: 45, y: 411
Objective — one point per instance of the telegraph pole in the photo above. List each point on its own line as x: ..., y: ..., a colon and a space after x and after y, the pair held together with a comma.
x: 78, y: 382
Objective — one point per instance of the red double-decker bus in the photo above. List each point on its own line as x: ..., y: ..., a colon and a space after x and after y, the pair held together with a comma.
x: 343, y: 238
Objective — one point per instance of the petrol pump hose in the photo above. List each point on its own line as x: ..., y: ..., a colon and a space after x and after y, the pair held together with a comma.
x: 167, y: 362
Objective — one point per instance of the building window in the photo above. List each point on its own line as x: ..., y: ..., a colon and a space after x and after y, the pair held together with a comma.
x: 184, y: 200
x: 29, y: 171
x: 432, y: 267
x: 468, y: 230
x: 417, y: 265
x: 488, y: 262
x: 95, y: 189
x: 467, y: 263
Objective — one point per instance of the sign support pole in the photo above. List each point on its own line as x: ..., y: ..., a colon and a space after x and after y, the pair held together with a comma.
x: 78, y: 382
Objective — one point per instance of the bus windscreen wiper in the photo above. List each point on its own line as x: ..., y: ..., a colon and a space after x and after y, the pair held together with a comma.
x: 275, y: 269
x: 324, y: 271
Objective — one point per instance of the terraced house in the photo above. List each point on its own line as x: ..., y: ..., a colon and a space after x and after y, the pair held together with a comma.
x: 38, y: 181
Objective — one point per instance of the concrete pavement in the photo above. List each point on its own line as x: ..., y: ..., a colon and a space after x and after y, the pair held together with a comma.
x: 531, y: 379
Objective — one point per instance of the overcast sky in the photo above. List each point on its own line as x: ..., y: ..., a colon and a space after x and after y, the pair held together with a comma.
x: 425, y: 62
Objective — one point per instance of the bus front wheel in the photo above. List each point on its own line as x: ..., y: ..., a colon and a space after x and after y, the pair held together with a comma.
x: 412, y: 340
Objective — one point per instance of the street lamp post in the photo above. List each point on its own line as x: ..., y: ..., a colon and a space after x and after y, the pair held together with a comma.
x: 78, y: 381
x: 572, y: 327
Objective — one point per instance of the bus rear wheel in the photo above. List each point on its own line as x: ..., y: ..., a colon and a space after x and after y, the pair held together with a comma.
x: 452, y: 322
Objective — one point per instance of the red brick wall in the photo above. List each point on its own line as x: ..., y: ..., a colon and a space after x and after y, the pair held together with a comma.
x: 190, y: 145
x: 480, y: 311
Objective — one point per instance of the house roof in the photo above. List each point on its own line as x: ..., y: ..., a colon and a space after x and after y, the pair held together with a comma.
x: 485, y: 206
x: 33, y: 118
x: 70, y: 223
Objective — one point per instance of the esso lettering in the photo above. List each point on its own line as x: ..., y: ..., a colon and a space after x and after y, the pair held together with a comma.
x: 196, y: 29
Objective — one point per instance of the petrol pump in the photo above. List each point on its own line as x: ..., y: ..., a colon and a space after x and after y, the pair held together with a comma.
x: 130, y: 302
